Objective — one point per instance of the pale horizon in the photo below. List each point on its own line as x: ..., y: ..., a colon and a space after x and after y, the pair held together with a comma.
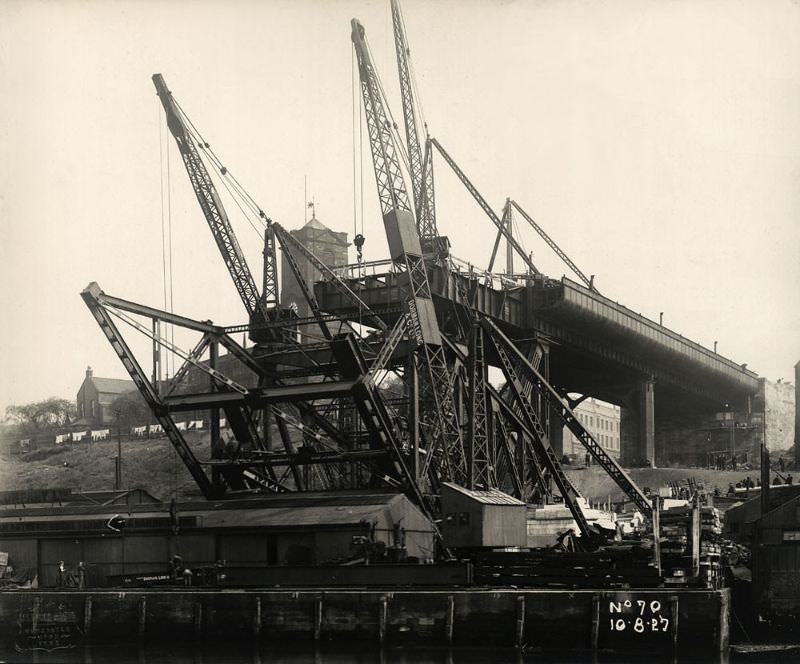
x: 657, y: 143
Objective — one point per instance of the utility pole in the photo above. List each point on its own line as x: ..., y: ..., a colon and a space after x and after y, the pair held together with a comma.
x: 118, y: 465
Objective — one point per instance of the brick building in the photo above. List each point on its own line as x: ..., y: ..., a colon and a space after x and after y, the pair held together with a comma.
x: 96, y: 395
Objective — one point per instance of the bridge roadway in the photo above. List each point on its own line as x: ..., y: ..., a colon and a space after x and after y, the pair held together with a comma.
x: 596, y: 347
x: 576, y: 321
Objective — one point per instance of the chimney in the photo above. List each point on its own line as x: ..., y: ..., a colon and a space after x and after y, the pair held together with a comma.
x: 88, y: 372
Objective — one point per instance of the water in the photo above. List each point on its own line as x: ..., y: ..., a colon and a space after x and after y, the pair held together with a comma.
x: 219, y: 653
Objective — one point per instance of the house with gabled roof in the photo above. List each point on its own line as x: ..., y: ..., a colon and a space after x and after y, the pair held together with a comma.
x: 96, y: 395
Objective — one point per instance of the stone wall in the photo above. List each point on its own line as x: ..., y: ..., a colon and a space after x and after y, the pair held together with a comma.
x: 780, y: 409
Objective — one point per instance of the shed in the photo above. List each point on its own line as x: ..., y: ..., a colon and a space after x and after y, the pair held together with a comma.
x: 776, y: 561
x: 489, y: 518
x: 740, y: 519
x: 285, y: 529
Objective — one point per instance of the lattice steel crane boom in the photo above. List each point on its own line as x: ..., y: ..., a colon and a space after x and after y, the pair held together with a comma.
x: 421, y: 172
x: 444, y: 434
x: 589, y: 281
x: 500, y: 225
x: 212, y: 207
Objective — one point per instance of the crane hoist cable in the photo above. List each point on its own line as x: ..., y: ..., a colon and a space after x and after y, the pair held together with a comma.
x: 166, y: 234
x: 163, y: 219
x: 237, y: 192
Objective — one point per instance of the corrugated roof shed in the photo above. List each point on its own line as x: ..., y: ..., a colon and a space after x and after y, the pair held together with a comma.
x: 489, y: 497
x: 292, y: 509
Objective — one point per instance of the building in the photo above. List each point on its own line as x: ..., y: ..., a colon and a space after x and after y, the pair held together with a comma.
x: 600, y: 419
x: 135, y: 535
x: 327, y: 245
x: 481, y: 518
x: 772, y: 533
x: 96, y: 395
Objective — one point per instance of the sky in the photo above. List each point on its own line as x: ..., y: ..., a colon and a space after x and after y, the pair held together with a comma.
x: 657, y: 142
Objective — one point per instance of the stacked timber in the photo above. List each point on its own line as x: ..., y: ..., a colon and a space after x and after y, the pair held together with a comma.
x: 676, y: 547
x: 711, y: 542
x: 620, y: 566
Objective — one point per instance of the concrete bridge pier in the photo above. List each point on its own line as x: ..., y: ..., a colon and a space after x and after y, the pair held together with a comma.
x: 637, y: 425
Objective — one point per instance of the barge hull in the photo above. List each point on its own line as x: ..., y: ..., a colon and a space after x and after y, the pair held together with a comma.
x: 585, y: 620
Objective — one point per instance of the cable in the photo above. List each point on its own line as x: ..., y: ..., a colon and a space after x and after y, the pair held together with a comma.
x: 163, y: 236
x: 361, y: 162
x: 235, y: 189
x: 171, y: 274
x: 353, y: 112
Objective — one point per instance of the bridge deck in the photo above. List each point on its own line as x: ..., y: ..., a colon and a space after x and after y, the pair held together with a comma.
x: 577, y: 319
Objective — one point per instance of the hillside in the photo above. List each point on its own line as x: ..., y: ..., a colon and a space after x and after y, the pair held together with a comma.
x: 154, y: 465
x: 151, y: 464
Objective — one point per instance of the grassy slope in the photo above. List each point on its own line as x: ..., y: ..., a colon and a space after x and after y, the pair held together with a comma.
x: 153, y: 464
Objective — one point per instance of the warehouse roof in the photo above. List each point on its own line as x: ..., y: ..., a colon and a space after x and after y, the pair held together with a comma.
x: 292, y: 510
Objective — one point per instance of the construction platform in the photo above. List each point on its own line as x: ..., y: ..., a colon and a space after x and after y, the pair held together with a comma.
x: 619, y: 621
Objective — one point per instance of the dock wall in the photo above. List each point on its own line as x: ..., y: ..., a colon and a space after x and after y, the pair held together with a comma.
x: 621, y: 621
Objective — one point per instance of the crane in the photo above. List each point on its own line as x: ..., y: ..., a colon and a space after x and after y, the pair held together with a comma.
x: 421, y: 171
x: 215, y: 213
x: 500, y: 225
x: 443, y: 430
x: 589, y: 281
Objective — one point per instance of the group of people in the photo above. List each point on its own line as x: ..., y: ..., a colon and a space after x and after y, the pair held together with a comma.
x: 748, y: 483
x: 720, y: 462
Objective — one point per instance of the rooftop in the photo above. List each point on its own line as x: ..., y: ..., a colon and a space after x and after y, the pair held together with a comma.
x: 489, y: 497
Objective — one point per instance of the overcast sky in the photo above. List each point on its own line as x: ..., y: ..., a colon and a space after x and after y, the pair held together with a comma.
x: 657, y: 142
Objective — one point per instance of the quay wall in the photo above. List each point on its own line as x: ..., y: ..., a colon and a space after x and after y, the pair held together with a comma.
x: 585, y: 620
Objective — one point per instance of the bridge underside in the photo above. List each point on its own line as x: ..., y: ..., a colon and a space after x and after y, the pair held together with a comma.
x: 669, y: 387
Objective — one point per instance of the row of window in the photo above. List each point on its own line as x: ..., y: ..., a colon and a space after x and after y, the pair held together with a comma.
x: 601, y: 423
x: 607, y: 442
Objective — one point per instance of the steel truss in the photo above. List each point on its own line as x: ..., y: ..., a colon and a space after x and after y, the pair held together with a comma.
x: 253, y: 466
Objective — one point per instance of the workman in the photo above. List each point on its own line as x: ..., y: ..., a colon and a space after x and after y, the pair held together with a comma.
x: 61, y: 577
x: 176, y: 563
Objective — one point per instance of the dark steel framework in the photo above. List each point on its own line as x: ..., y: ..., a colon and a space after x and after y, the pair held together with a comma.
x: 343, y: 429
